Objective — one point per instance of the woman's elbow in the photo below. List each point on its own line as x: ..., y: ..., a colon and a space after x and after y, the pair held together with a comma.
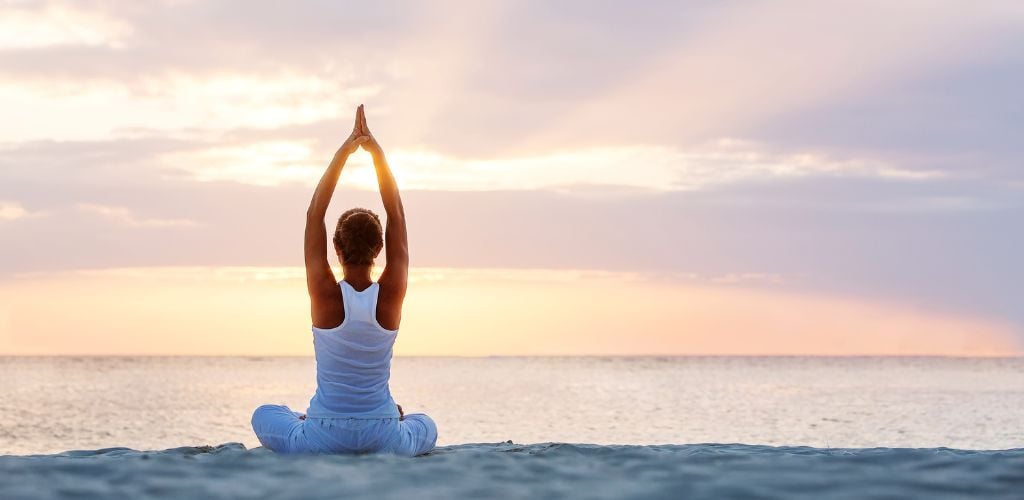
x: 314, y: 213
x: 398, y: 254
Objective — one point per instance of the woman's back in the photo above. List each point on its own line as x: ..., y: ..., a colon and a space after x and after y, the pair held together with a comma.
x: 353, y: 361
x: 352, y: 410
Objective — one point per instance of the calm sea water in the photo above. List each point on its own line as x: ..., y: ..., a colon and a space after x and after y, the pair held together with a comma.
x: 60, y: 403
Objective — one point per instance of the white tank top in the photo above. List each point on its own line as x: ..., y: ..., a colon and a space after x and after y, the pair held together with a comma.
x: 353, y: 361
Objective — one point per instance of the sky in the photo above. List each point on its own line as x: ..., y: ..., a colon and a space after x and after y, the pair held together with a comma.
x: 579, y: 177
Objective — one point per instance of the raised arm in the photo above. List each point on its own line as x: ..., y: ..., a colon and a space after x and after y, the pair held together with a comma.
x: 395, y: 277
x: 326, y: 307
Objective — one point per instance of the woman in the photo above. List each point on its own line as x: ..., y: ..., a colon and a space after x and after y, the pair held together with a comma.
x: 355, y: 322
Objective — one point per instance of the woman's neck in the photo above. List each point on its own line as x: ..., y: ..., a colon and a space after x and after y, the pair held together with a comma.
x: 357, y: 276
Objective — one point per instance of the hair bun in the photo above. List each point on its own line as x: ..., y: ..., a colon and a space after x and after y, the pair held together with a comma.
x: 359, y: 236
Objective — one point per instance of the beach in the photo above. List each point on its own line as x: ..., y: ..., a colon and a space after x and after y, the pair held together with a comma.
x: 652, y: 427
x: 507, y: 470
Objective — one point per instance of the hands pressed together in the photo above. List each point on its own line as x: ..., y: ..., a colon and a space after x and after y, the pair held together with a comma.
x: 360, y: 136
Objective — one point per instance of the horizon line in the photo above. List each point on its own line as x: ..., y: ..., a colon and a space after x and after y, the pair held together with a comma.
x: 494, y: 356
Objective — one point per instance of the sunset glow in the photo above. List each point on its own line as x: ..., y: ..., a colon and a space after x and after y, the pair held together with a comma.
x: 262, y: 311
x: 616, y: 179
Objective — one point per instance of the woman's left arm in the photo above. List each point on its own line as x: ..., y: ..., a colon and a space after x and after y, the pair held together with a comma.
x: 323, y: 289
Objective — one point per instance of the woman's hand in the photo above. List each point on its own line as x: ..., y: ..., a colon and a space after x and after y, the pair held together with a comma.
x: 352, y: 144
x: 357, y: 137
x: 370, y: 145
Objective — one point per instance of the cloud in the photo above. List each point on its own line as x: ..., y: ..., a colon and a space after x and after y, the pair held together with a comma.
x: 495, y: 78
x: 741, y: 67
x: 747, y: 278
x: 488, y: 89
x: 817, y: 234
x: 10, y: 210
x: 959, y: 119
x: 23, y: 27
x: 172, y: 103
x: 926, y: 204
x: 126, y: 217
x: 646, y: 167
x: 268, y: 163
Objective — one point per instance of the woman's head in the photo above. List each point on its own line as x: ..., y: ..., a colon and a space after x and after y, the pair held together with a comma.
x: 359, y: 237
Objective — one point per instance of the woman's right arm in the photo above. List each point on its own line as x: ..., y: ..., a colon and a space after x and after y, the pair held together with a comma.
x: 395, y: 277
x: 396, y: 237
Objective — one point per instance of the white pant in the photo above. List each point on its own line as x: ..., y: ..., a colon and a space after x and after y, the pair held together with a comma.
x: 280, y: 429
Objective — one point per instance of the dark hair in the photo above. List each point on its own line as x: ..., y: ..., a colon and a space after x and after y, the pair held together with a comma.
x: 358, y: 236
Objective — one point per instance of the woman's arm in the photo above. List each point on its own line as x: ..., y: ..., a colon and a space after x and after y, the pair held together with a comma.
x: 395, y: 277
x: 326, y: 307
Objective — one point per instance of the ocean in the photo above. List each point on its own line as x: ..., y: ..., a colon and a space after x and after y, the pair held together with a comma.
x: 54, y: 404
x: 580, y: 427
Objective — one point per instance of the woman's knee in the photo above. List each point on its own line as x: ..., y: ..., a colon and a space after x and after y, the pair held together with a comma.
x: 429, y: 422
x: 428, y: 436
x: 263, y: 411
x: 274, y: 426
